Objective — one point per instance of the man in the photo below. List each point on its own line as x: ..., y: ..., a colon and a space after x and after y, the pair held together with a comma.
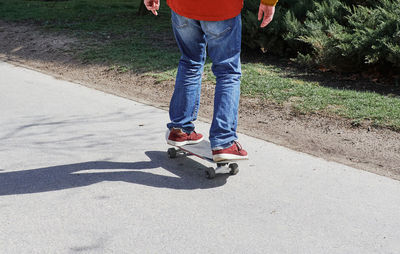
x: 215, y: 25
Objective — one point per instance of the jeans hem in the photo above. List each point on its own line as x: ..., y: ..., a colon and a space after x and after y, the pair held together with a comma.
x: 219, y: 145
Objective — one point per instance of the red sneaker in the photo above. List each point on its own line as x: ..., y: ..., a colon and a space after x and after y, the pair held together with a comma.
x: 177, y: 137
x: 234, y: 152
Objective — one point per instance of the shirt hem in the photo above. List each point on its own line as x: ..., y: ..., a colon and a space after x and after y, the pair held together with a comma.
x: 204, y: 17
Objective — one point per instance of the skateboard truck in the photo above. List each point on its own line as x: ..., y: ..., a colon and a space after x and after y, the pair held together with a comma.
x: 222, y: 168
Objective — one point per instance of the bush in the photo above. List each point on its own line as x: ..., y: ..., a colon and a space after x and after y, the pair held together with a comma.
x: 354, y: 36
x: 280, y: 38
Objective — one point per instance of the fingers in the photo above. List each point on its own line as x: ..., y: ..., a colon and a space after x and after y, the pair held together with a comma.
x: 267, y: 19
x: 154, y: 11
x: 156, y: 6
x: 265, y: 22
x: 268, y: 12
x: 260, y: 13
x: 152, y: 5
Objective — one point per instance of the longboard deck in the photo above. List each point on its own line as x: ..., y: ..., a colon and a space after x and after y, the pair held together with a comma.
x: 202, y: 150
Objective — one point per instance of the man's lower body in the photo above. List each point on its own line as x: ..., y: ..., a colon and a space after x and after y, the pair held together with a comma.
x: 223, y: 42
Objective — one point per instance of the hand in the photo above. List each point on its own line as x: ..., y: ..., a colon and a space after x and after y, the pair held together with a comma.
x: 268, y: 12
x: 152, y: 5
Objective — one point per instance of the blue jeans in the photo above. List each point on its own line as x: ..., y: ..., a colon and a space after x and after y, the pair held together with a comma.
x: 223, y: 41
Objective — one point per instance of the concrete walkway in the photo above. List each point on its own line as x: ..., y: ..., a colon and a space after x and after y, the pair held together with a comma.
x: 82, y: 171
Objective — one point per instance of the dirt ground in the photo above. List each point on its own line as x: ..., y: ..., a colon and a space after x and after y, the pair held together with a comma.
x: 375, y: 150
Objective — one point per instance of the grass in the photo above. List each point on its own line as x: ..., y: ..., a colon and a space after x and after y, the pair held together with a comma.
x: 114, y: 35
x: 311, y: 97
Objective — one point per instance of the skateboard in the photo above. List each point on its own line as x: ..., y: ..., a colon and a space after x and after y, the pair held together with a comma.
x: 203, y: 151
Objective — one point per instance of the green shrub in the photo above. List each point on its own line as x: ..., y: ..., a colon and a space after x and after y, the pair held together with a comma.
x: 343, y: 35
x: 280, y: 37
x: 358, y: 37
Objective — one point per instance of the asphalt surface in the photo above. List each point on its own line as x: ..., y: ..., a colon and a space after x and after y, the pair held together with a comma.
x: 82, y: 171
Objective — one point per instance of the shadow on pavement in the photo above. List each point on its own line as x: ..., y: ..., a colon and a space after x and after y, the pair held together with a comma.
x: 189, y: 175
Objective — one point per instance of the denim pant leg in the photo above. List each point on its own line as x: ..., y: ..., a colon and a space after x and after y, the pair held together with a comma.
x: 185, y: 100
x: 224, y: 46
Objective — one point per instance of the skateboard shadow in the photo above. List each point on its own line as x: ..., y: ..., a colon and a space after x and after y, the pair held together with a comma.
x: 188, y: 175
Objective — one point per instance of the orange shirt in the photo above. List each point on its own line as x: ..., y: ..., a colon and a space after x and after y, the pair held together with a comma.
x: 210, y: 10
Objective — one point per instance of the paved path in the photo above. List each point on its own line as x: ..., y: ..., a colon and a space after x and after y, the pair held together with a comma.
x: 82, y: 171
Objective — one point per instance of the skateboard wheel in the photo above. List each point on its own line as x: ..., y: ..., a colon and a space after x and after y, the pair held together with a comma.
x: 210, y: 173
x: 234, y: 168
x: 171, y: 153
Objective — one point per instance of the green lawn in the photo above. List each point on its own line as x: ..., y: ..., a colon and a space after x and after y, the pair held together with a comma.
x: 114, y: 35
